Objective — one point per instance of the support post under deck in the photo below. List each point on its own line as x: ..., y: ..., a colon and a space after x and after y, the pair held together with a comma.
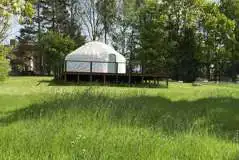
x: 129, y: 79
x: 78, y: 78
x: 91, y: 69
x: 104, y: 79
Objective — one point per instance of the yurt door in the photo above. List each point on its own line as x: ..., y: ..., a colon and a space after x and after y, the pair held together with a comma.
x: 112, y: 64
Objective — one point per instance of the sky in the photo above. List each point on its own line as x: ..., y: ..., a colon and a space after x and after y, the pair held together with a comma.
x: 14, y: 30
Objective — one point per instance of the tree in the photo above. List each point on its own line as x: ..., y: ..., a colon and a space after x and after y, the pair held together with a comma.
x: 181, y: 34
x: 74, y: 27
x: 231, y: 9
x: 55, y: 46
x: 58, y: 16
x: 88, y: 15
x: 217, y: 29
x: 55, y: 15
x: 125, y: 29
x: 107, y: 14
x: 7, y: 8
x: 153, y: 49
x: 184, y: 29
x: 4, y: 25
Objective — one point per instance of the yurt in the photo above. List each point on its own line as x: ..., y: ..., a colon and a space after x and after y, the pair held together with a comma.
x: 95, y: 57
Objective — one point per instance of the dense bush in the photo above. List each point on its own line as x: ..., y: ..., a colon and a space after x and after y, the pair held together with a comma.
x: 4, y: 64
x: 55, y: 47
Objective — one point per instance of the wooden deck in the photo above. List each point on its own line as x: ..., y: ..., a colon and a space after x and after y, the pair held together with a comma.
x: 116, y: 78
x: 105, y: 78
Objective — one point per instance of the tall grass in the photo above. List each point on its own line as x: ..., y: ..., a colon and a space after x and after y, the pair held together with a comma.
x: 38, y: 121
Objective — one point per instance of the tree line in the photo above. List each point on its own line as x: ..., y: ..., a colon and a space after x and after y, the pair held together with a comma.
x: 187, y: 37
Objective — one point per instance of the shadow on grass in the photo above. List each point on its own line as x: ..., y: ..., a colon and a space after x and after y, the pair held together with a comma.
x: 89, y: 84
x: 219, y: 116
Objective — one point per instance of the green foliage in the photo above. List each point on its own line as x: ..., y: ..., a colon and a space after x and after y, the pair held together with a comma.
x: 218, y: 28
x: 4, y: 63
x: 55, y: 15
x: 179, y: 35
x: 8, y: 8
x: 23, y: 7
x: 98, y: 123
x: 231, y: 9
x: 55, y: 47
x: 153, y: 38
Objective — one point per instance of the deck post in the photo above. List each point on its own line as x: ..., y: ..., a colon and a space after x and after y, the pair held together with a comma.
x: 78, y: 78
x: 117, y: 79
x: 104, y: 79
x: 116, y: 67
x: 117, y: 71
x: 142, y: 79
x: 91, y: 78
x: 91, y: 69
x: 129, y: 79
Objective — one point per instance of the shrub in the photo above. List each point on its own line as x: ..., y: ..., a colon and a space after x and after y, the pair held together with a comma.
x: 4, y: 63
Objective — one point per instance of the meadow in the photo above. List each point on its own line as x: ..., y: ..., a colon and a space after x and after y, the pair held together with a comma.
x: 40, y: 120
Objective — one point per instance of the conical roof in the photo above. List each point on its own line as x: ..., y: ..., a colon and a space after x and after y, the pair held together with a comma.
x: 95, y: 51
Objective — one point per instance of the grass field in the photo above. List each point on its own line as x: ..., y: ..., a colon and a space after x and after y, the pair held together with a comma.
x: 40, y: 120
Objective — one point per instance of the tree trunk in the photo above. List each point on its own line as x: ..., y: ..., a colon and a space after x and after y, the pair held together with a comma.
x: 53, y: 15
x: 94, y: 37
x: 208, y: 72
x: 105, y: 36
x: 39, y: 36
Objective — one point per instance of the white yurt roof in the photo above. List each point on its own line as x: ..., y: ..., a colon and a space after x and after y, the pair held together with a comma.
x: 94, y: 51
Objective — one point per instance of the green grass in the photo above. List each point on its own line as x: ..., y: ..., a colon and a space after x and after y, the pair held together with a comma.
x: 42, y: 120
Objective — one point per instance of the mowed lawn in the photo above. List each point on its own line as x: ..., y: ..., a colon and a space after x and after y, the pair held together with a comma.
x: 40, y: 120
